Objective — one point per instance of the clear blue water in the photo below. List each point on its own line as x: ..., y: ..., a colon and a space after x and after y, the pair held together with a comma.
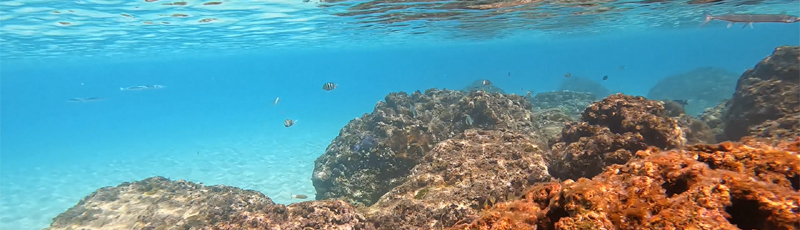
x: 215, y: 121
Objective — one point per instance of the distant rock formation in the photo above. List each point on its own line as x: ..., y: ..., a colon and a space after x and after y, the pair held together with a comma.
x: 586, y: 85
x: 479, y: 85
x: 568, y: 102
x: 703, y: 87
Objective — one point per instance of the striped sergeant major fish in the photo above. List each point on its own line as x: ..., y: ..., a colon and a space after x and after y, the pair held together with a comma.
x: 749, y: 19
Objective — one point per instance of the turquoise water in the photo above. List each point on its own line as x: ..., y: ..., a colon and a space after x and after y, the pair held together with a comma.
x: 215, y: 121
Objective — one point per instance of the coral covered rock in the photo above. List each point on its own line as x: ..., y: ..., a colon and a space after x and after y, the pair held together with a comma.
x: 767, y: 93
x: 725, y: 186
x: 406, y: 127
x: 158, y: 203
x: 459, y: 178
x: 612, y: 130
x: 703, y: 87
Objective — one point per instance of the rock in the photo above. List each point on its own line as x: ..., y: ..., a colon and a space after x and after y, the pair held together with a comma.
x: 724, y: 186
x: 713, y: 118
x: 568, y: 102
x: 158, y: 203
x: 612, y: 130
x: 703, y: 87
x: 460, y: 177
x: 479, y: 85
x: 407, y: 127
x: 696, y: 131
x: 581, y: 84
x: 766, y: 93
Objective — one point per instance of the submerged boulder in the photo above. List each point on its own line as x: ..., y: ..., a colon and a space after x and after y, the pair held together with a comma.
x: 766, y: 101
x: 461, y: 177
x: 702, y: 87
x: 159, y: 203
x: 406, y: 128
x: 586, y: 85
x: 612, y: 130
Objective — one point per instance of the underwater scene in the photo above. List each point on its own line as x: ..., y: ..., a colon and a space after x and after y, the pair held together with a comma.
x: 399, y: 114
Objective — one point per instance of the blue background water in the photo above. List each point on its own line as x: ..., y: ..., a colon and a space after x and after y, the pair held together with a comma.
x: 215, y: 122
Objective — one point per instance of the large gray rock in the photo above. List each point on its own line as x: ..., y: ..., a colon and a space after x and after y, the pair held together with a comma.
x: 703, y: 87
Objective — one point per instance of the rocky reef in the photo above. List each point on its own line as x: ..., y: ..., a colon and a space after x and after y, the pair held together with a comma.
x: 452, y: 160
x: 766, y: 102
x: 159, y: 203
x: 407, y: 127
x: 613, y: 129
x: 747, y: 185
x: 703, y: 87
x: 460, y: 177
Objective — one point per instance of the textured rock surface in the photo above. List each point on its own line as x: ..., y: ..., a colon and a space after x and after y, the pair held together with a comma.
x: 407, y: 127
x: 725, y: 186
x: 612, y: 130
x: 459, y: 178
x: 568, y: 102
x: 765, y: 93
x: 158, y: 203
x: 713, y: 118
x: 582, y: 84
x: 703, y: 87
x: 696, y: 131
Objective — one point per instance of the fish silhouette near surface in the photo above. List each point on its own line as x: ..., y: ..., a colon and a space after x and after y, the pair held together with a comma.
x: 87, y: 99
x: 141, y: 87
x: 749, y: 19
x: 366, y: 143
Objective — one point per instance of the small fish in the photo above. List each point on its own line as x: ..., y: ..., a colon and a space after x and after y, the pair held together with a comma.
x: 622, y: 67
x: 413, y: 111
x: 329, y: 86
x: 77, y: 99
x: 682, y: 102
x: 276, y: 101
x: 605, y: 77
x: 289, y: 122
x: 299, y: 196
x: 509, y: 74
x: 93, y: 99
x: 486, y: 82
x: 468, y: 120
x: 749, y: 19
x: 568, y: 75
